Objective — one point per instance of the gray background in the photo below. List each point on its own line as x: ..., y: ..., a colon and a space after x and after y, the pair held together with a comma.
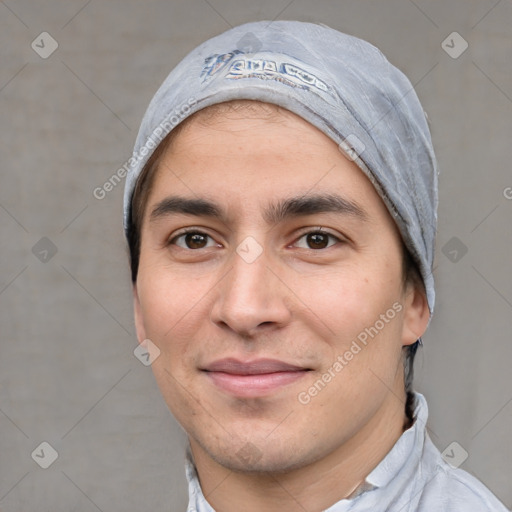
x: 68, y: 375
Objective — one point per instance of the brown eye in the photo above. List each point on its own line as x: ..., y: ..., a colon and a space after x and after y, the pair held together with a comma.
x: 317, y: 240
x: 193, y: 240
x: 196, y: 240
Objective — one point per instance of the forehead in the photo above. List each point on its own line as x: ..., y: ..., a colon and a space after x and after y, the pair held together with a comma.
x: 254, y: 152
x: 237, y: 118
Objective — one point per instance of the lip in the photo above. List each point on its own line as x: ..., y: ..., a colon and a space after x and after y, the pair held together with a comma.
x: 255, y: 378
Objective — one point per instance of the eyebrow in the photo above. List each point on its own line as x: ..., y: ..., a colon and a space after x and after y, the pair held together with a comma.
x: 273, y: 213
x: 312, y: 204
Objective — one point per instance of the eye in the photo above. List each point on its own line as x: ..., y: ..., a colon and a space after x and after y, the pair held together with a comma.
x: 316, y: 240
x: 193, y: 240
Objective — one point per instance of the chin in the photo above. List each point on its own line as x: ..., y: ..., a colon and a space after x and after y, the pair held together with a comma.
x: 257, y: 456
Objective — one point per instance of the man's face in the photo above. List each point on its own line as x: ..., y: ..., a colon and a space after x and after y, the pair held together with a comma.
x: 295, y: 260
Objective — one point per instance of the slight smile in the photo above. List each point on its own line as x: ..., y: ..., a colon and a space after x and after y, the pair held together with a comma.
x: 252, y: 379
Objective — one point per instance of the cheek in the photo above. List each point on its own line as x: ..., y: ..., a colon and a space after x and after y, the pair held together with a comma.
x: 172, y: 312
x: 171, y: 306
x: 349, y: 301
x: 364, y: 315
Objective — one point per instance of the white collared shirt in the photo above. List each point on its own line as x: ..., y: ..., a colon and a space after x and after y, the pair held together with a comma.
x: 412, y: 477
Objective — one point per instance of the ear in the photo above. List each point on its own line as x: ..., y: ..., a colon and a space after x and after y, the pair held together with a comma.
x: 139, y: 317
x: 416, y: 314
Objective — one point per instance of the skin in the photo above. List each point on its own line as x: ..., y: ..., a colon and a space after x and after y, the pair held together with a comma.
x: 298, y: 301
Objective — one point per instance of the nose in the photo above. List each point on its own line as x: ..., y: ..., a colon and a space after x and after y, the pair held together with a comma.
x: 251, y: 297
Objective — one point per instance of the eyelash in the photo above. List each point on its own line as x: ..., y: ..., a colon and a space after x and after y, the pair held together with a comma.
x: 319, y: 230
x: 187, y: 231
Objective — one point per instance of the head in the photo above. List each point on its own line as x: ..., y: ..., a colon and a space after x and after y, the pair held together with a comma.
x: 285, y: 281
x: 252, y: 236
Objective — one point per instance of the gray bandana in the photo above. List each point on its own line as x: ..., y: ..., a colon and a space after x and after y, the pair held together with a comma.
x: 341, y: 84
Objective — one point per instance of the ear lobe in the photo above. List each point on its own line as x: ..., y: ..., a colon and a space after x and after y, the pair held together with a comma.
x: 138, y: 316
x: 416, y: 315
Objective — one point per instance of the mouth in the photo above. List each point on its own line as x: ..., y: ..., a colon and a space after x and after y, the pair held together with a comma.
x: 251, y: 379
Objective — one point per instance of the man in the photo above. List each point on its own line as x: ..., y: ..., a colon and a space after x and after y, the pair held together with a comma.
x: 281, y: 213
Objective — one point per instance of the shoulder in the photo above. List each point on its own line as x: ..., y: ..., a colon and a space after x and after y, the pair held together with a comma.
x: 455, y: 490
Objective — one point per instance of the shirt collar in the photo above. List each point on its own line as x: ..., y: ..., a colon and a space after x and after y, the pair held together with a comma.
x: 404, y: 454
x: 400, y: 455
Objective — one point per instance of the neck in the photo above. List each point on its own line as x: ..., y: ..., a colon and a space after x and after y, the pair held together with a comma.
x: 316, y: 486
